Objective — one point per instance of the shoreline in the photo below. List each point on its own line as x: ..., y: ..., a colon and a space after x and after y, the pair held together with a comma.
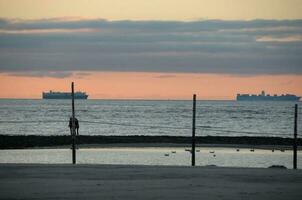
x: 33, y: 141
x: 167, y: 145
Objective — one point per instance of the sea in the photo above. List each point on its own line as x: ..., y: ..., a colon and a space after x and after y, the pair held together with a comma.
x: 146, y: 117
x: 149, y: 117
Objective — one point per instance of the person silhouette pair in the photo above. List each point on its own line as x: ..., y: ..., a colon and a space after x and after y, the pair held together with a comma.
x: 77, y: 126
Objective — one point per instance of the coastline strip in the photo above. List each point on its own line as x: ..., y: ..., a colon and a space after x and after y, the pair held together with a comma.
x: 34, y: 141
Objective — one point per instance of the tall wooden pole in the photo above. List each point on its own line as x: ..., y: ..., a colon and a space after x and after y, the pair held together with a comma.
x: 73, y: 127
x: 193, y: 130
x: 295, y: 138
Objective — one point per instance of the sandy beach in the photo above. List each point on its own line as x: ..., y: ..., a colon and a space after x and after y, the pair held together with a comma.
x: 33, y: 181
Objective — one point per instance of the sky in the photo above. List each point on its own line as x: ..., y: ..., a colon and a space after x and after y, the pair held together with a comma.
x: 136, y: 49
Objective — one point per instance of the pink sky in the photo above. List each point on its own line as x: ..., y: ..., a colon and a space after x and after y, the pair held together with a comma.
x: 134, y: 85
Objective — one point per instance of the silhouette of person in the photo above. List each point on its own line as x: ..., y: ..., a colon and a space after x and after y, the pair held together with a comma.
x: 77, y: 126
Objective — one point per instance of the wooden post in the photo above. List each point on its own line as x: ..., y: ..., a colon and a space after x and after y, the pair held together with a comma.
x: 295, y: 138
x: 73, y: 127
x: 193, y: 130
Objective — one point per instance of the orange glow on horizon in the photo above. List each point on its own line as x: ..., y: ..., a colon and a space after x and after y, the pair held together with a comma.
x: 143, y: 85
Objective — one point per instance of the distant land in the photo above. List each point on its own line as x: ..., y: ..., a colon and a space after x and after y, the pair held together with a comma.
x: 267, y: 97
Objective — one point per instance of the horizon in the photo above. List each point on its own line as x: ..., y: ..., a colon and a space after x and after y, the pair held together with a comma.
x: 142, y: 99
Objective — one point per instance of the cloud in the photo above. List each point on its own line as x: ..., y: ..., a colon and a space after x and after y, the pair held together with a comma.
x: 292, y: 38
x: 63, y: 45
x: 53, y: 74
x: 47, y: 31
x: 165, y: 76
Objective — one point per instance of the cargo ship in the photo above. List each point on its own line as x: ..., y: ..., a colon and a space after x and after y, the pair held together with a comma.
x: 63, y: 95
x: 267, y: 97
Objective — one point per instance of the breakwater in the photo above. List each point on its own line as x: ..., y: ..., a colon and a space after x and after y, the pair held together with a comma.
x: 32, y: 141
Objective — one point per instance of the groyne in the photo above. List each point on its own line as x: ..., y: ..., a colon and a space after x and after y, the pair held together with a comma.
x: 33, y: 141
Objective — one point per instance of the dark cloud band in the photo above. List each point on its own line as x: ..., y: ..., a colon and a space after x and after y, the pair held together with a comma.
x: 214, y: 46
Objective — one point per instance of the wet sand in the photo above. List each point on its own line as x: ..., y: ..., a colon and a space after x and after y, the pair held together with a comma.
x: 32, y: 181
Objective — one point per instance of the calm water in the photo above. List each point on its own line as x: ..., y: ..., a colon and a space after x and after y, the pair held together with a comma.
x: 154, y: 156
x: 113, y: 117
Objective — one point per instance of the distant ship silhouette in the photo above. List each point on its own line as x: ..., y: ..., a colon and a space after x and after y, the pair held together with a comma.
x: 63, y: 95
x: 267, y: 97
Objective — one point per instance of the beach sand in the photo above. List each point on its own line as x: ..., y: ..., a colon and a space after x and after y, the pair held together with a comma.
x: 37, y: 181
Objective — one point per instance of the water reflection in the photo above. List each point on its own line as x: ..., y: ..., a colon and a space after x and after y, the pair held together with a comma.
x: 154, y: 156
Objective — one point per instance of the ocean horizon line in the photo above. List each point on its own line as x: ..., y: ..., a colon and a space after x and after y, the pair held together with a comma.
x: 124, y: 99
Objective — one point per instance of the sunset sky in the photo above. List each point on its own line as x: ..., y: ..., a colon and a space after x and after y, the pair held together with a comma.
x: 160, y: 49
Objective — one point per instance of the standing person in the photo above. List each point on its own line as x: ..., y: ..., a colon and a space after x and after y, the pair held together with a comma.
x: 70, y: 125
x: 77, y: 126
